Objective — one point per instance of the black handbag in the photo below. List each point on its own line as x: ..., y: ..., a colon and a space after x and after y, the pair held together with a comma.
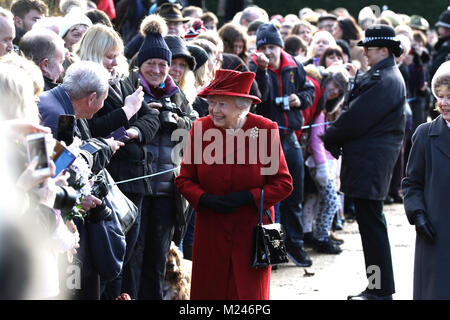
x: 268, y: 241
x: 125, y: 210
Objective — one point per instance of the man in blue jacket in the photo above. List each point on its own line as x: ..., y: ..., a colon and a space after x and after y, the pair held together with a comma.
x: 285, y: 92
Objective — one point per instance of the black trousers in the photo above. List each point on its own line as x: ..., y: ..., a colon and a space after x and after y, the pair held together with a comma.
x: 376, y: 247
x: 157, y: 229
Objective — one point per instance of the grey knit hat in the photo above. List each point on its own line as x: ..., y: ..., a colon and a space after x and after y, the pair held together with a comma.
x: 267, y: 33
x: 200, y: 55
x: 178, y: 48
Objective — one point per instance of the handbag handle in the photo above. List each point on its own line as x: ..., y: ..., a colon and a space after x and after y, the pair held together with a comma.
x: 262, y: 211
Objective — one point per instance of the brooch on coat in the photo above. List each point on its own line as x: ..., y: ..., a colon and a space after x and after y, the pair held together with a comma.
x: 254, y: 132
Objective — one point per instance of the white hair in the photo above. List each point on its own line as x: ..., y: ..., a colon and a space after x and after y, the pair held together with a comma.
x: 441, y: 78
x: 7, y: 14
x: 243, y: 103
x: 84, y: 77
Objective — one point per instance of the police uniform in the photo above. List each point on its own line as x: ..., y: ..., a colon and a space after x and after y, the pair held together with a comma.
x: 369, y: 135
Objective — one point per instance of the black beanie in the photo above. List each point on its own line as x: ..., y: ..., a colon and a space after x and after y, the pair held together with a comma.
x: 178, y: 48
x: 154, y: 45
x: 200, y: 55
x: 267, y: 33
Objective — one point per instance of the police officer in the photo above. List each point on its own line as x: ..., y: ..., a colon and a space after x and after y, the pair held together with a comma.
x: 369, y: 135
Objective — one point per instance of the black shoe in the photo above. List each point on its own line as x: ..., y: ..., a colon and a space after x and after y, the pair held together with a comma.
x: 298, y: 256
x: 366, y: 295
x: 335, y: 239
x: 327, y: 247
x: 309, y: 240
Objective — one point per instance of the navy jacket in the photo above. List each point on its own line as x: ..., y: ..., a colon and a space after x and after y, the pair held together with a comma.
x: 291, y: 79
x: 129, y: 161
x: 370, y: 131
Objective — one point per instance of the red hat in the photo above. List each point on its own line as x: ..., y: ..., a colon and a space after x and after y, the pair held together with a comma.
x: 231, y: 83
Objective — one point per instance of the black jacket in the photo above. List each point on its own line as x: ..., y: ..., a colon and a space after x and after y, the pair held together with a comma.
x: 129, y: 161
x: 161, y: 146
x: 292, y: 79
x: 370, y: 131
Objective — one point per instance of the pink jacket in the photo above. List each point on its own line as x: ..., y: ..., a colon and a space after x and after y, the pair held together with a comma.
x: 316, y: 147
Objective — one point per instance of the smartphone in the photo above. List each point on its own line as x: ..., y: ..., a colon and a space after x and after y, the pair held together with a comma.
x: 37, y: 146
x: 62, y: 158
x: 66, y: 128
x: 119, y: 135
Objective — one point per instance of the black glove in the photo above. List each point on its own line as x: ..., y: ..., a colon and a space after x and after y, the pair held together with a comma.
x: 240, y: 198
x: 334, y: 149
x: 423, y: 227
x: 216, y: 203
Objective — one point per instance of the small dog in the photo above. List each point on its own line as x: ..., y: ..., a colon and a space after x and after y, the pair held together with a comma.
x: 177, y: 282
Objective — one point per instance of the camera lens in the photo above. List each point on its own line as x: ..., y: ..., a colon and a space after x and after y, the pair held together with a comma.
x: 65, y: 199
x: 167, y: 120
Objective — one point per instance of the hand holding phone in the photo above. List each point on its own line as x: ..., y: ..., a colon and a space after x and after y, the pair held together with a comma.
x: 31, y: 178
x: 62, y: 157
x: 119, y: 134
x: 37, y: 148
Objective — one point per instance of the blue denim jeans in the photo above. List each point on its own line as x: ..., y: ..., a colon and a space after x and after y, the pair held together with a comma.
x: 291, y: 207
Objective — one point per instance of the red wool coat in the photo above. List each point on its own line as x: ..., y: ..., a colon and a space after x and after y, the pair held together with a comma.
x: 223, y: 242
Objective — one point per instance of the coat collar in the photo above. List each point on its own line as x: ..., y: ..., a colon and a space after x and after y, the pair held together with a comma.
x: 385, y: 63
x: 439, y: 129
x: 62, y: 96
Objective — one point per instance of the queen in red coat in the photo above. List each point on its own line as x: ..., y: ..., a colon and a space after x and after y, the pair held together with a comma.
x: 231, y: 154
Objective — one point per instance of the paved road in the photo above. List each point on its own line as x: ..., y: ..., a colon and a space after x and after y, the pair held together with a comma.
x: 336, y: 276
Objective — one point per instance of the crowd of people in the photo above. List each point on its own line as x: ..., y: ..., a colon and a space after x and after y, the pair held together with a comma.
x: 159, y: 106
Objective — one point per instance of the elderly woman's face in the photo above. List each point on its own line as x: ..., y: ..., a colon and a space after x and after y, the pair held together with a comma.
x: 320, y: 45
x: 177, y: 69
x: 155, y: 71
x: 443, y: 101
x: 74, y: 35
x: 224, y: 112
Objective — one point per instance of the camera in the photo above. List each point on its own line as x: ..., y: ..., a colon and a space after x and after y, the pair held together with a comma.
x: 100, y: 212
x: 166, y: 114
x: 66, y: 198
x: 283, y: 102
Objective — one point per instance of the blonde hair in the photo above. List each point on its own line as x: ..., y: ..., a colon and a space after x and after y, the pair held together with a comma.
x: 189, y: 88
x: 201, y: 75
x: 97, y: 42
x: 32, y: 70
x: 18, y: 100
x: 318, y: 35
